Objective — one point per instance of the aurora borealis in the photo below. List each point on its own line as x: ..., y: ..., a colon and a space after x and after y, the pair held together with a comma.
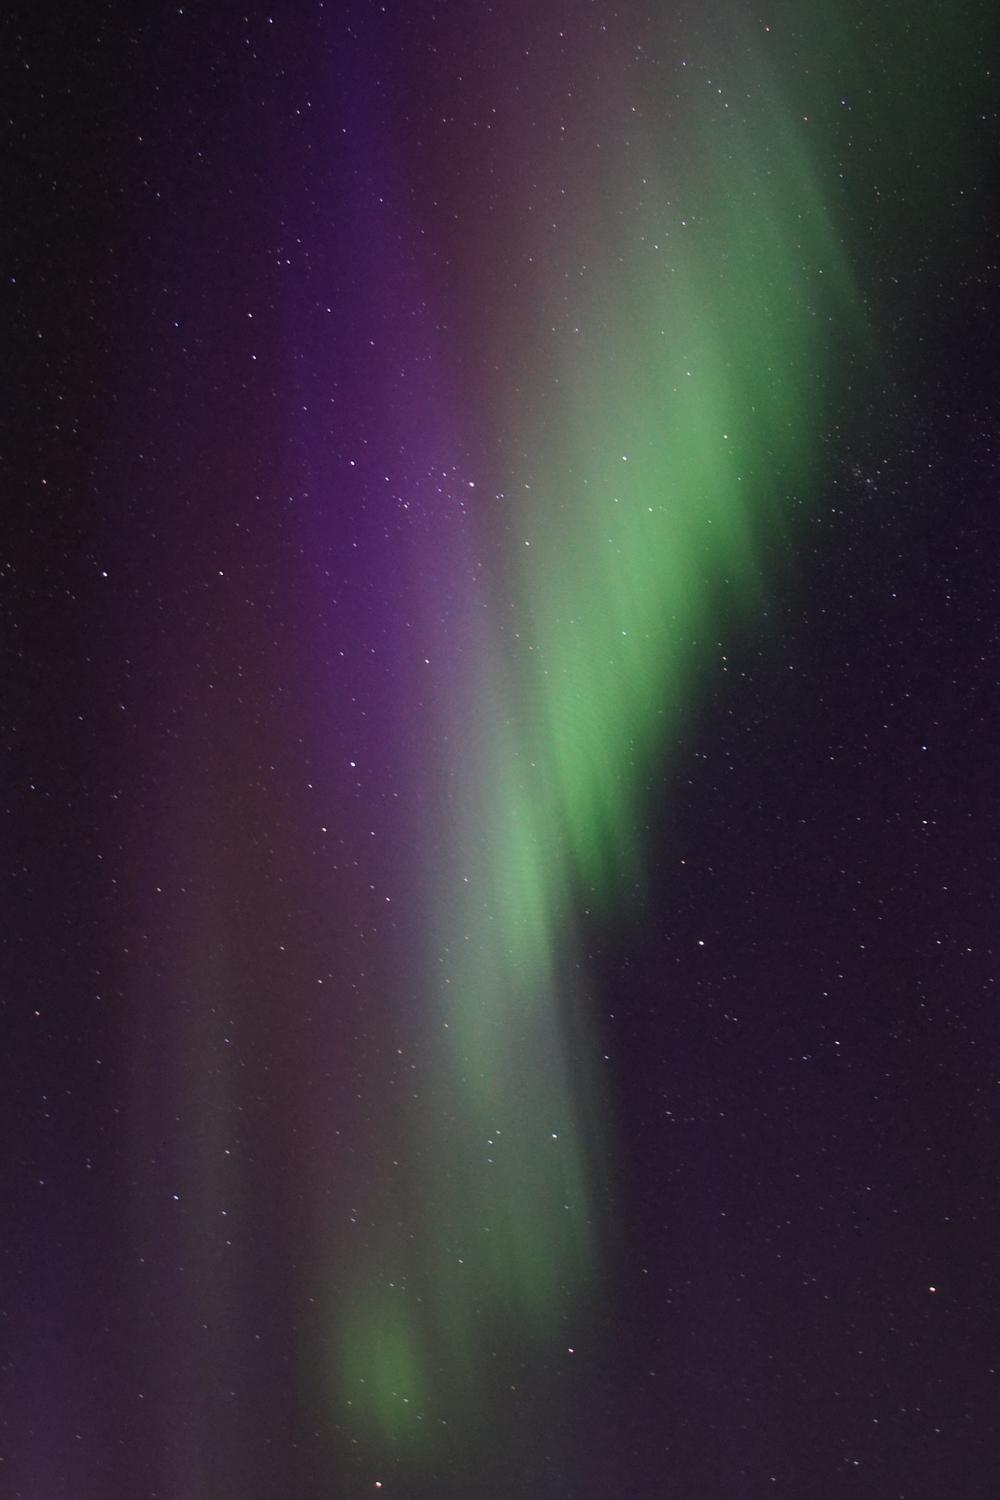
x: 502, y: 651
x: 681, y: 373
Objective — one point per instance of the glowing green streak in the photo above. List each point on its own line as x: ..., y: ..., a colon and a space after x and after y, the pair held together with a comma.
x: 386, y: 1389
x: 681, y: 407
x: 690, y: 424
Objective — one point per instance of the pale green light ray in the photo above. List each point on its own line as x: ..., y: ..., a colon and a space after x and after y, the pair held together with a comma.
x: 666, y: 425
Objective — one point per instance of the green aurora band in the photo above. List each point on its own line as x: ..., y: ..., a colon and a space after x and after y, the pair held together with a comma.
x: 667, y: 431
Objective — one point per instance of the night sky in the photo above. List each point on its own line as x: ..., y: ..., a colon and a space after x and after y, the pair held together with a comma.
x: 501, y: 712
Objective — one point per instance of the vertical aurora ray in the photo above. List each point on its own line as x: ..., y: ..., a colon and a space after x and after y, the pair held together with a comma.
x: 652, y: 441
x: 651, y: 392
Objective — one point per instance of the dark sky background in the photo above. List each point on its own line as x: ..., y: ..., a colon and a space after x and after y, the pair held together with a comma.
x: 261, y: 287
